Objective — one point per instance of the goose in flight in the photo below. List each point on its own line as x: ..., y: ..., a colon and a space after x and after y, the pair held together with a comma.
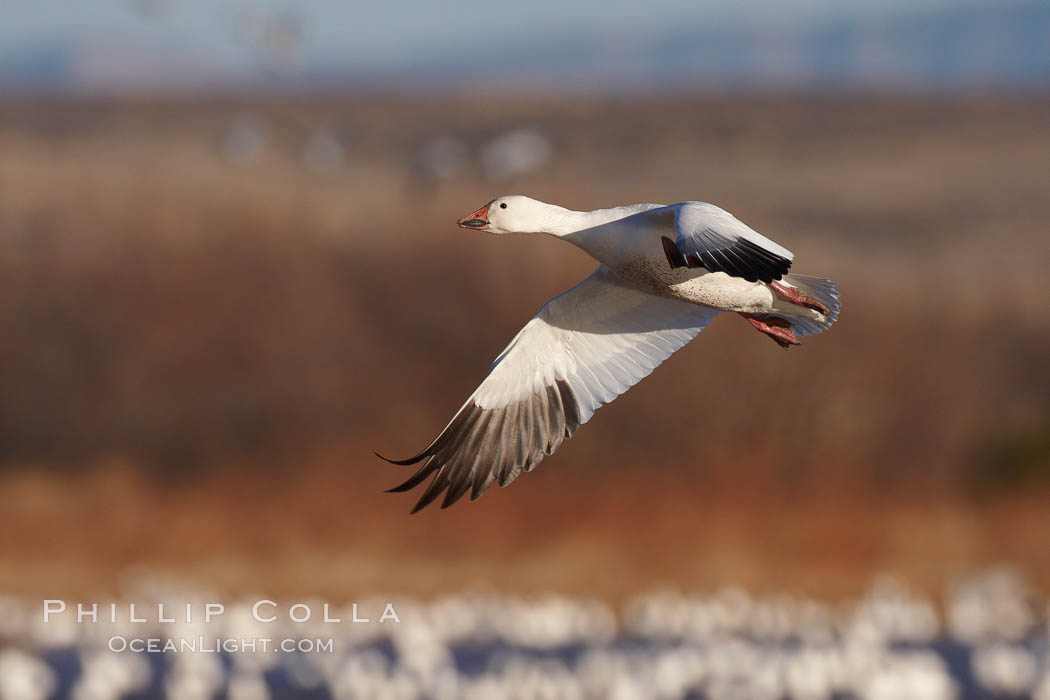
x: 664, y: 273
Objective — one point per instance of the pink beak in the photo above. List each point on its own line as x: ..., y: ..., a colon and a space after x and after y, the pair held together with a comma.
x: 478, y: 220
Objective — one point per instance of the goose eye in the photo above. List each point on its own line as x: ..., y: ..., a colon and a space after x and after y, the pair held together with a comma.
x: 503, y: 205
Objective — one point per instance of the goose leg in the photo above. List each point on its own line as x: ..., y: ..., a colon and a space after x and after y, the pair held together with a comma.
x: 797, y: 297
x: 775, y: 327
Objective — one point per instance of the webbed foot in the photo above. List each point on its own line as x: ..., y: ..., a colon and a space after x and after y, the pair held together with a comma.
x: 775, y: 327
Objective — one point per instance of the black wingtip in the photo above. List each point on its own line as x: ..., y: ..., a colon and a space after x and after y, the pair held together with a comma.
x: 739, y: 258
x: 423, y: 502
x: 401, y: 462
x: 674, y: 256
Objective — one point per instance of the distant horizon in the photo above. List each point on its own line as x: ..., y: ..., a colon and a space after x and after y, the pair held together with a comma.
x: 383, y: 30
x: 171, y: 46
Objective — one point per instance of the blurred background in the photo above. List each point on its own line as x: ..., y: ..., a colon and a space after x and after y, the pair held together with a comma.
x: 229, y: 271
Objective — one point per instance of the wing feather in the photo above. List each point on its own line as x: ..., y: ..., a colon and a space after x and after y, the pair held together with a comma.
x: 583, y: 349
x: 709, y: 237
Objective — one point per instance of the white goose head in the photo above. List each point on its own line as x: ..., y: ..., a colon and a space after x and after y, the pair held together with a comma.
x: 514, y: 213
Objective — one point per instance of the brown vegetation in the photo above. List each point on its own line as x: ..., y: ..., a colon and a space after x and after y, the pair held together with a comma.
x: 197, y: 357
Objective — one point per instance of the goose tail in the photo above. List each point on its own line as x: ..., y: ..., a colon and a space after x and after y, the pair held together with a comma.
x: 823, y: 291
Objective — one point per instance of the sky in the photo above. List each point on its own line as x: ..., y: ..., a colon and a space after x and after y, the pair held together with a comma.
x: 99, y: 44
x: 372, y: 32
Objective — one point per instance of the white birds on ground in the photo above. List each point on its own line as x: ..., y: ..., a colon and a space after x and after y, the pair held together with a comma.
x: 513, y: 154
x: 496, y: 645
x: 665, y: 272
x: 105, y: 675
x: 323, y: 152
x: 245, y: 141
x: 24, y: 677
x: 519, y: 152
x: 442, y: 158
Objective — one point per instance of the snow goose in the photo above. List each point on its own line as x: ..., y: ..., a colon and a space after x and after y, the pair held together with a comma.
x: 664, y: 273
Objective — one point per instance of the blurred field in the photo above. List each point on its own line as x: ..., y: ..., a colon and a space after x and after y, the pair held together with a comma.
x: 198, y: 354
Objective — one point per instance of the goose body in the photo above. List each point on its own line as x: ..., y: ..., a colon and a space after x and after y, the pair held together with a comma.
x: 665, y: 272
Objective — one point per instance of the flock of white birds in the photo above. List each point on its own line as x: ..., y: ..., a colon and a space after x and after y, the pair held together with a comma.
x: 516, y: 152
x: 325, y: 151
x: 991, y: 640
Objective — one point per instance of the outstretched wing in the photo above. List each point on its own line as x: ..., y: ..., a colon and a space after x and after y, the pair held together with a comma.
x: 713, y: 238
x: 583, y: 349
